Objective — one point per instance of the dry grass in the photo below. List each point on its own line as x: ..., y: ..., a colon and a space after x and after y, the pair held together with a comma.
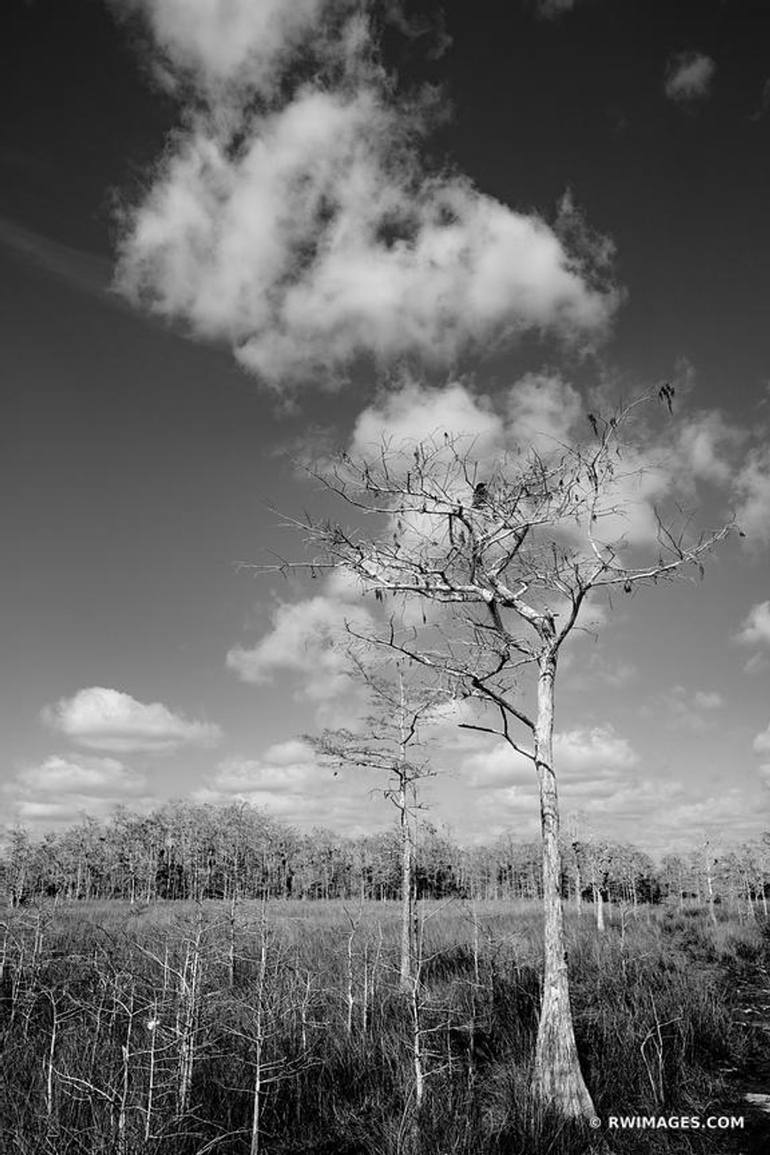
x: 101, y: 1006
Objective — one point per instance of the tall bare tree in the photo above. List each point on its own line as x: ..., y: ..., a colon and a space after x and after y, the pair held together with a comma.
x: 503, y: 555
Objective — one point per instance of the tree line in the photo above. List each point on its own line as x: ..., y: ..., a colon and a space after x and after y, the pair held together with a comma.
x: 190, y: 852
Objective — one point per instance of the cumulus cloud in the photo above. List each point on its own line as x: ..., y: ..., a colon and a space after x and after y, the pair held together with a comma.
x: 623, y: 803
x: 755, y: 630
x: 752, y: 487
x: 293, y: 218
x: 543, y: 411
x: 417, y: 413
x: 223, y: 47
x: 103, y: 719
x: 287, y: 768
x: 597, y: 767
x: 58, y: 789
x: 689, y: 76
x: 304, y: 638
x: 762, y: 742
x: 539, y: 410
x: 708, y: 700
x: 105, y: 777
x: 443, y: 726
x: 581, y: 751
x: 592, y: 758
x: 293, y: 785
x: 735, y: 460
x: 704, y: 447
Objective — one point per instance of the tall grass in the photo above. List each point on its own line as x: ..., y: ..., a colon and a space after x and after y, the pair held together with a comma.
x: 179, y: 1029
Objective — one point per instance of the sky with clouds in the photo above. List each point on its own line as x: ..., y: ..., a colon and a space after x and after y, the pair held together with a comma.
x: 235, y: 232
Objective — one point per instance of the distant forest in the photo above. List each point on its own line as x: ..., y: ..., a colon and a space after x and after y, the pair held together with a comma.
x: 184, y: 851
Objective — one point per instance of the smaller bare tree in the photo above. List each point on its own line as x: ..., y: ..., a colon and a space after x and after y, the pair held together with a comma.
x: 386, y: 742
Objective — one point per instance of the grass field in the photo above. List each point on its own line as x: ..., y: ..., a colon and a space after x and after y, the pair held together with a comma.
x: 176, y: 1029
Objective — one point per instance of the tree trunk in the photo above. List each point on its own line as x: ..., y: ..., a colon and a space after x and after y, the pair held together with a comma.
x: 558, y: 1079
x: 710, y: 890
x: 406, y: 888
x: 407, y: 846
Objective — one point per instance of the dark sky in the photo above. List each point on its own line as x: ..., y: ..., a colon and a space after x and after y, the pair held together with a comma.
x: 538, y: 105
x: 138, y: 461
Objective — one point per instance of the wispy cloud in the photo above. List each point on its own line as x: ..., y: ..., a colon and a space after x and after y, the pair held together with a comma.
x: 294, y: 218
x: 616, y: 673
x: 689, y: 76
x: 430, y: 26
x: 679, y: 708
x: 87, y: 272
x: 764, y: 102
x: 103, y: 719
x: 552, y: 9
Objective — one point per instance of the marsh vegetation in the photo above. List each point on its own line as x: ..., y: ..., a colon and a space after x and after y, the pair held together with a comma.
x: 281, y: 1026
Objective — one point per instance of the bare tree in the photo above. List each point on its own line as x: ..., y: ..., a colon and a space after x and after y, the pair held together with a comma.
x: 708, y: 860
x: 391, y: 732
x: 514, y: 547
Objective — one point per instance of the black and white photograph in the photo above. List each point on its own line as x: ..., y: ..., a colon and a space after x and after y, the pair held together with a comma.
x: 386, y: 498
